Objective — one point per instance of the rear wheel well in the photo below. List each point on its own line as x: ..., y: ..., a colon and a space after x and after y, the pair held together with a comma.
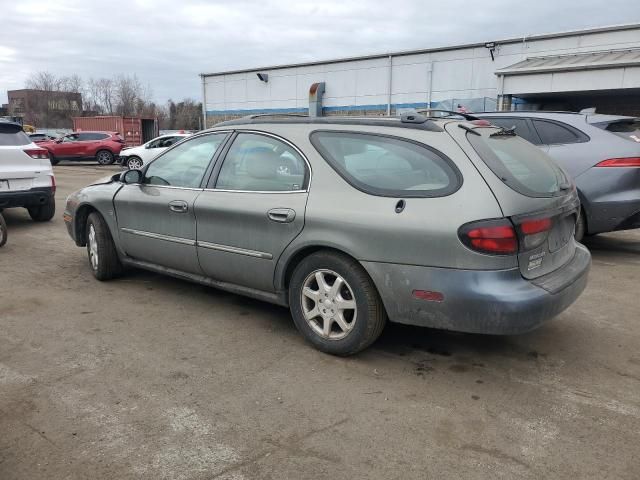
x: 80, y: 224
x: 304, y: 253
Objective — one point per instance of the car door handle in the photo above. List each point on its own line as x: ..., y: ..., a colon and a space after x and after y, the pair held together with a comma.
x: 281, y: 215
x: 178, y: 206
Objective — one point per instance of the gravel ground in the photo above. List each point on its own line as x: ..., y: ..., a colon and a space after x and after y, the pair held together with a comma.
x: 152, y: 377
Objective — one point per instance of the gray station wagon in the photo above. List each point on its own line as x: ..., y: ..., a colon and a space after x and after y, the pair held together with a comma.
x: 349, y: 222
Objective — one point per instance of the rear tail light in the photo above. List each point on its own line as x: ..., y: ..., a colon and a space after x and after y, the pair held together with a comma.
x: 37, y: 153
x: 53, y: 184
x: 497, y: 237
x: 535, y: 232
x: 620, y: 162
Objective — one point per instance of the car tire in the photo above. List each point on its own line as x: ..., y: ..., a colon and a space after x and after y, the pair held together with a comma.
x: 104, y: 157
x: 355, y: 302
x: 3, y: 231
x: 43, y: 213
x: 103, y: 258
x: 581, y: 227
x: 134, y: 163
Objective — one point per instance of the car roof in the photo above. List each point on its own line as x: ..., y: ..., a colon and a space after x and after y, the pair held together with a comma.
x: 558, y: 115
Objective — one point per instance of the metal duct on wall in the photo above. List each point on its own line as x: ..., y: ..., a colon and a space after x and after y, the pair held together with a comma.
x: 316, y: 91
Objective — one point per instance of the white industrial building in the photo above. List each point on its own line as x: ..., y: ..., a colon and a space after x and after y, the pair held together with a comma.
x: 598, y: 67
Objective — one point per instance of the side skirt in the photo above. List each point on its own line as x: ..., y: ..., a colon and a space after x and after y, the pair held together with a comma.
x: 278, y: 298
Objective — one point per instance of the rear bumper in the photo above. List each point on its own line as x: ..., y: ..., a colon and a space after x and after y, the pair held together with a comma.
x: 490, y: 302
x: 26, y: 198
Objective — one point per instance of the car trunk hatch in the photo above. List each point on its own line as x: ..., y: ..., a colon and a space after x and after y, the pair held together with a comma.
x: 532, y: 191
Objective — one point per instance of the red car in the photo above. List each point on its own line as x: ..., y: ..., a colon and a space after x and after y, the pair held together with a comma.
x: 103, y: 147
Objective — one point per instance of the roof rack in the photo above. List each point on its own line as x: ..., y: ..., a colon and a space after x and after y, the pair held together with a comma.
x: 260, y: 115
x: 449, y: 113
x: 408, y: 120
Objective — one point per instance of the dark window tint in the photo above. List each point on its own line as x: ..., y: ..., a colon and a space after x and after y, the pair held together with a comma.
x: 553, y: 133
x: 261, y: 163
x: 74, y: 137
x: 84, y: 137
x: 523, y: 128
x: 520, y: 165
x: 185, y: 165
x: 627, y: 129
x: 387, y: 166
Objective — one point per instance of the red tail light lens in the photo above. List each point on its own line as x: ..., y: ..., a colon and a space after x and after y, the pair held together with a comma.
x: 496, y: 237
x: 53, y: 184
x: 37, y: 153
x: 620, y: 162
x: 530, y: 227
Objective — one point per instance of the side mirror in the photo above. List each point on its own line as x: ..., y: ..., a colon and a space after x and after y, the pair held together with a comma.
x: 59, y: 140
x: 147, y: 146
x: 131, y: 177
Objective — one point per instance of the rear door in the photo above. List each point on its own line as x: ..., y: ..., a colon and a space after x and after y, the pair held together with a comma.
x: 156, y: 219
x: 532, y: 190
x: 252, y: 209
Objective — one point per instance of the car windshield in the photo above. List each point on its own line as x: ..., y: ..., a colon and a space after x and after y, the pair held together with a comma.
x: 520, y: 165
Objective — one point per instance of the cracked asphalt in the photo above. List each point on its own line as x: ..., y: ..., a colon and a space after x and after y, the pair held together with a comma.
x: 154, y: 378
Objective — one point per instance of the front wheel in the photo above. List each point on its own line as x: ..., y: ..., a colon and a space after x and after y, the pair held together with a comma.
x: 134, y: 163
x: 335, y: 305
x: 101, y: 250
x: 43, y: 213
x: 104, y: 157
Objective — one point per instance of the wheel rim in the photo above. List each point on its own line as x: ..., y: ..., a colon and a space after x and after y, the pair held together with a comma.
x: 93, y: 248
x: 328, y: 304
x: 104, y: 157
x: 134, y: 163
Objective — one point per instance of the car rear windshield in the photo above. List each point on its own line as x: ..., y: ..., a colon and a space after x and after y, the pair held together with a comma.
x: 388, y: 166
x: 627, y: 129
x: 10, y: 136
x: 520, y: 165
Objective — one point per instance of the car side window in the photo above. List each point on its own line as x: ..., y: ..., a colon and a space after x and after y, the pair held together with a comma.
x: 84, y: 137
x: 262, y: 163
x: 185, y: 165
x: 388, y: 166
x: 70, y: 138
x: 167, y: 142
x: 522, y: 127
x: 156, y: 143
x: 553, y: 133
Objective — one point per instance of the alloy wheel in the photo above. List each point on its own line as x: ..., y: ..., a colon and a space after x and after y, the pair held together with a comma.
x: 328, y: 304
x: 93, y: 248
x: 134, y: 163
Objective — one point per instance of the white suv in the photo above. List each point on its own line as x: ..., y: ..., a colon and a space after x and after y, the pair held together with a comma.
x: 26, y: 176
x: 135, y: 157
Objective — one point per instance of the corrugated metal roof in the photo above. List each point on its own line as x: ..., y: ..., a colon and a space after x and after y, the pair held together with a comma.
x: 579, y: 61
x: 543, y: 36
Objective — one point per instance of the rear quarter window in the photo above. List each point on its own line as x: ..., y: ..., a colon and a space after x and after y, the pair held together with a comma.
x: 520, y: 165
x: 9, y: 138
x: 388, y: 166
x: 553, y: 133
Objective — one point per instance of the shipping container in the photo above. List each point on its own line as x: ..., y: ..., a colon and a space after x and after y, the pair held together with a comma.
x: 134, y: 130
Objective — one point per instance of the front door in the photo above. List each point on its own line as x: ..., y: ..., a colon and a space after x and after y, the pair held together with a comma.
x: 252, y: 209
x: 68, y: 147
x: 156, y: 219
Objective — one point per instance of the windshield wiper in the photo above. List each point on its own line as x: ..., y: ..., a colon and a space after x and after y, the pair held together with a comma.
x: 505, y: 132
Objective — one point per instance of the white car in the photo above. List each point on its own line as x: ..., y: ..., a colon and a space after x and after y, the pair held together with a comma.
x: 136, y: 157
x: 26, y: 175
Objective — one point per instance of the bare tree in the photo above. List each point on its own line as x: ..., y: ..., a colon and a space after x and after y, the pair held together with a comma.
x: 128, y: 91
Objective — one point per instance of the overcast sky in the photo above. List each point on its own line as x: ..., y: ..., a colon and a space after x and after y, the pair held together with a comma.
x: 167, y: 43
